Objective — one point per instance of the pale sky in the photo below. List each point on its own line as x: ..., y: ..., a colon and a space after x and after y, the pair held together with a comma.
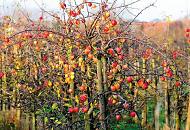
x: 174, y: 8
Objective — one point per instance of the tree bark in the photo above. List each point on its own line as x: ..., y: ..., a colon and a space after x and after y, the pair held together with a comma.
x: 188, y: 111
x: 188, y: 116
x: 167, y: 104
x: 101, y: 98
x: 88, y: 116
x: 144, y: 109
x: 156, y: 111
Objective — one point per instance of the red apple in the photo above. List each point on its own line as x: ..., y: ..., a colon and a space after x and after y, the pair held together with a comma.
x: 126, y: 105
x: 45, y: 34
x: 164, y: 63
x: 7, y: 40
x: 110, y: 101
x: 145, y: 85
x: 132, y: 114
x: 114, y: 64
x: 113, y: 88
x: 45, y: 84
x: 89, y: 47
x: 78, y: 12
x: 70, y: 90
x: 84, y: 109
x: 113, y: 22
x: 1, y: 74
x: 86, y: 51
x: 111, y: 51
x: 83, y: 97
x: 75, y: 109
x: 140, y: 82
x: 148, y: 80
x: 90, y: 56
x: 117, y: 86
x: 125, y: 66
x: 163, y: 78
x: 169, y: 74
x: 62, y: 5
x: 120, y: 57
x: 89, y: 4
x: 188, y: 30
x: 73, y: 13
x: 118, y: 49
x: 44, y: 69
x: 41, y: 18
x: 177, y: 83
x: 32, y: 24
x: 44, y: 58
x: 187, y: 35
x: 70, y: 110
x: 129, y: 79
x: 118, y: 117
x: 82, y: 88
x: 77, y: 22
x: 106, y: 29
x: 167, y: 70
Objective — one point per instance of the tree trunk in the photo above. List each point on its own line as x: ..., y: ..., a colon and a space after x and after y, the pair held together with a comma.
x: 177, y: 127
x: 176, y: 112
x: 4, y: 84
x: 137, y: 64
x: 167, y: 104
x: 105, y: 85
x: 144, y: 109
x: 188, y: 116
x: 88, y: 116
x: 156, y: 112
x: 34, y: 123
x: 188, y: 111
x: 27, y: 121
x: 101, y: 98
x: 104, y: 74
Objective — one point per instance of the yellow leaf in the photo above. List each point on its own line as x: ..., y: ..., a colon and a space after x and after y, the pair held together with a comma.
x: 54, y: 106
x: 45, y: 119
x: 49, y: 83
x: 77, y: 99
x: 67, y: 105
